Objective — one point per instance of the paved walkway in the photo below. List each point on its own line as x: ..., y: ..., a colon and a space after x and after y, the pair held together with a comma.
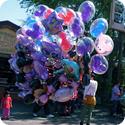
x: 22, y: 115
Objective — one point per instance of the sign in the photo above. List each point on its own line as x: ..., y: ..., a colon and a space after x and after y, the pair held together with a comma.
x: 117, y: 15
x: 7, y: 43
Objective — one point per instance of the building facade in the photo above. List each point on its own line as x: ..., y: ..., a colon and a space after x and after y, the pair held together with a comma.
x: 7, y: 43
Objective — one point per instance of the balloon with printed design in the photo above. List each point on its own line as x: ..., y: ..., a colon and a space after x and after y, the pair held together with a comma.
x: 84, y: 45
x: 66, y: 14
x: 98, y: 26
x: 104, y: 44
x: 65, y: 43
x: 87, y: 10
x: 99, y: 64
x: 40, y: 10
x: 77, y: 27
x: 53, y: 24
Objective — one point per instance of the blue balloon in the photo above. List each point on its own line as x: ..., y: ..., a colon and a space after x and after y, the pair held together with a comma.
x: 99, y: 26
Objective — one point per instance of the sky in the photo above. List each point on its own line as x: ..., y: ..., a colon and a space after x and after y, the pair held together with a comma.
x: 11, y: 10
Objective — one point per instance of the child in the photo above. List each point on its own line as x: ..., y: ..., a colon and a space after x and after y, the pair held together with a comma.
x: 6, y: 104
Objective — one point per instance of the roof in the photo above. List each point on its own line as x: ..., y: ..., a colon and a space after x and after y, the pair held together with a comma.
x: 9, y: 25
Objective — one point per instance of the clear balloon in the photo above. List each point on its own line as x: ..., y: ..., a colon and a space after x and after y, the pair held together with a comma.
x: 104, y: 44
x: 77, y: 27
x: 63, y: 94
x: 40, y: 10
x: 33, y: 28
x: 66, y: 14
x: 99, y: 64
x: 24, y: 40
x: 47, y: 13
x: 87, y: 10
x: 53, y: 24
x: 84, y: 45
x: 98, y: 26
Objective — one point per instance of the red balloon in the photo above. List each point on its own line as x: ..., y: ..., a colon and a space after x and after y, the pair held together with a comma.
x: 65, y: 42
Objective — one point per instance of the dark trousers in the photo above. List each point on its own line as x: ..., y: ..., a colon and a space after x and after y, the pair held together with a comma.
x: 36, y: 108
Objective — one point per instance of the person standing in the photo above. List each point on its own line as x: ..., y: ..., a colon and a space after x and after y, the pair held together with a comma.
x: 115, y: 98
x: 6, y: 104
x: 89, y: 101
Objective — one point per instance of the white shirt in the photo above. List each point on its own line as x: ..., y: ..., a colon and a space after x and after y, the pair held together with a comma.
x: 91, y: 88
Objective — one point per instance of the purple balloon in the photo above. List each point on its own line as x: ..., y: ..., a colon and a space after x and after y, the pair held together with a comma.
x: 24, y: 40
x: 40, y: 70
x: 38, y: 56
x: 35, y: 33
x: 43, y: 98
x: 99, y: 64
x: 84, y: 45
x: 63, y: 78
x: 87, y: 10
x: 63, y: 94
x: 53, y: 24
x: 30, y: 75
x: 13, y: 65
x: 77, y: 27
x: 40, y: 11
x: 50, y: 89
x: 51, y: 48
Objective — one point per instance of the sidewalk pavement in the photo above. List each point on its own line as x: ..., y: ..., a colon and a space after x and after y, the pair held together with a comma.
x: 21, y: 114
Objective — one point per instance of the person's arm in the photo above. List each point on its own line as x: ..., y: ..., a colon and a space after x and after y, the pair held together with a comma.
x: 11, y: 102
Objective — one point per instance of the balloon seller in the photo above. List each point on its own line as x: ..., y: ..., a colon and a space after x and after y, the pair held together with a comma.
x: 54, y: 48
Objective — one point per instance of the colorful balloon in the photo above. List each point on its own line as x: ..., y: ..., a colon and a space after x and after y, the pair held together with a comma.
x: 99, y: 64
x: 99, y: 26
x: 66, y: 14
x: 40, y: 10
x: 87, y: 10
x: 84, y: 45
x: 53, y: 24
x: 24, y: 40
x: 104, y: 44
x: 77, y: 27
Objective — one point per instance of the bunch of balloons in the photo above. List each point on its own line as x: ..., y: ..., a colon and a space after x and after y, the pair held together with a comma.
x: 45, y: 44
